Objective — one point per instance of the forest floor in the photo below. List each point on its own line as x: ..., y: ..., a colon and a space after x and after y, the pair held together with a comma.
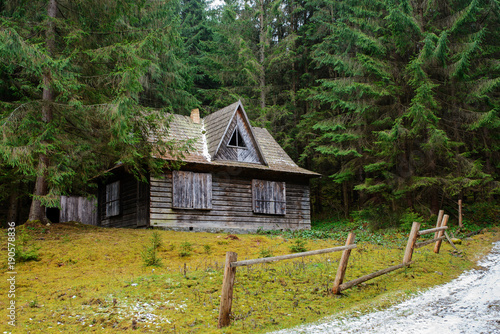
x: 91, y: 279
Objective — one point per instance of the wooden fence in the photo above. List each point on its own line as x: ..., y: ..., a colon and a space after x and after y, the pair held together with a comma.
x: 338, y: 285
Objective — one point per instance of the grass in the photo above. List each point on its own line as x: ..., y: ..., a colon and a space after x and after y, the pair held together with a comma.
x: 90, y: 279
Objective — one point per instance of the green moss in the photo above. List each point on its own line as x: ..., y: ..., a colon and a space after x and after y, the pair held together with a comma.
x: 98, y: 279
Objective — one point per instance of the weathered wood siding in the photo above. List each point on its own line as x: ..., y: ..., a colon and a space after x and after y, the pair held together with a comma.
x: 232, y: 207
x: 248, y: 154
x: 133, y: 203
x: 78, y: 209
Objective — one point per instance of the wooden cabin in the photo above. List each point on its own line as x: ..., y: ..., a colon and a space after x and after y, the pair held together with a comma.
x: 236, y: 178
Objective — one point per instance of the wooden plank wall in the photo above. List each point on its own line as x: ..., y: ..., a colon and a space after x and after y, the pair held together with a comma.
x: 231, y: 207
x: 79, y: 209
x: 134, y: 202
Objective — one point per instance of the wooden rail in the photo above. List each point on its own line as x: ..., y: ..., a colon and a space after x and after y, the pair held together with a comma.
x: 428, y: 242
x: 338, y: 285
x: 226, y: 298
x: 365, y: 278
x: 290, y: 256
x: 432, y: 230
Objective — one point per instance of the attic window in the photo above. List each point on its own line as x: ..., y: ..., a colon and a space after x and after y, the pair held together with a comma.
x: 237, y: 140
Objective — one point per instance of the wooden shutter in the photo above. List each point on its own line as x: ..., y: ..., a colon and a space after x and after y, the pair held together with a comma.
x: 191, y: 190
x: 113, y: 199
x: 269, y: 197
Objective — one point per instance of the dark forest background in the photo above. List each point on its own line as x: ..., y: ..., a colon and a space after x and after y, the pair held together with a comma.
x: 395, y: 103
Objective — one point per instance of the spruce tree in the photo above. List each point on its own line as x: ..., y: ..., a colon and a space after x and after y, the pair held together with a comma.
x: 408, y: 104
x: 78, y: 83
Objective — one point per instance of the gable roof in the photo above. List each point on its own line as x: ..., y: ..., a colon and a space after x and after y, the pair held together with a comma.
x: 207, y: 138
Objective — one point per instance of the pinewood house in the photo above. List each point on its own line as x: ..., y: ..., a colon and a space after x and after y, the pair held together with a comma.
x: 236, y: 178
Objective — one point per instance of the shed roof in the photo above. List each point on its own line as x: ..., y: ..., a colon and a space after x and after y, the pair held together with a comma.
x: 207, y: 135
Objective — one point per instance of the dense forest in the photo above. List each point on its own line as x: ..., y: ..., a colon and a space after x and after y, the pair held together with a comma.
x: 395, y: 103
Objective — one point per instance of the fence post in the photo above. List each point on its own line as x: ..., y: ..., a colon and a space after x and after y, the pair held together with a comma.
x: 440, y: 234
x: 226, y: 298
x: 411, y: 242
x: 460, y: 223
x: 339, y: 278
x: 439, y: 222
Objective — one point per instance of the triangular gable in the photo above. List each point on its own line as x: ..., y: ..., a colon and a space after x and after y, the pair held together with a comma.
x: 239, y: 122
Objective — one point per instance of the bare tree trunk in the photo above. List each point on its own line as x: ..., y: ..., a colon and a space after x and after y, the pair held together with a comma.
x: 37, y: 210
x: 262, y: 79
x: 12, y: 214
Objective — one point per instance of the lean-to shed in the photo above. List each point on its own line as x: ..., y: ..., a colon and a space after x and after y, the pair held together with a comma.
x: 236, y: 178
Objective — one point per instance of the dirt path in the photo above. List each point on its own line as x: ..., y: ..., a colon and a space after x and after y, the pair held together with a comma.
x: 469, y: 304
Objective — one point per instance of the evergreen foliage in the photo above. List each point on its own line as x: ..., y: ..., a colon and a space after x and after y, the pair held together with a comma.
x: 409, y: 85
x: 81, y: 93
x: 397, y: 101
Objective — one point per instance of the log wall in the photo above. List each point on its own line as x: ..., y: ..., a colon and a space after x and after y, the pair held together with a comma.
x: 134, y: 203
x: 231, y: 207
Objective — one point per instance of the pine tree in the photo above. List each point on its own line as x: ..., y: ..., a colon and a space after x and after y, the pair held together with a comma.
x: 409, y: 101
x: 77, y: 89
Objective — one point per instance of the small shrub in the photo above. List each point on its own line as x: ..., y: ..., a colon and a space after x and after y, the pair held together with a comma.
x: 149, y: 254
x: 156, y: 239
x: 265, y: 252
x: 34, y: 303
x: 186, y: 249
x: 298, y: 246
x: 25, y: 250
x: 407, y: 219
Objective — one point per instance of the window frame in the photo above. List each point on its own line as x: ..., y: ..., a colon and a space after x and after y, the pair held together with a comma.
x: 237, y: 132
x: 277, y: 197
x: 108, y: 203
x: 197, y: 201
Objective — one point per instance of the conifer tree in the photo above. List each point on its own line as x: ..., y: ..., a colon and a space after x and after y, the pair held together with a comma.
x: 409, y: 101
x: 78, y: 80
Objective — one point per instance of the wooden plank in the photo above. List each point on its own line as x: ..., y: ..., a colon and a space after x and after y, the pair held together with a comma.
x: 460, y: 224
x: 411, y: 242
x: 427, y: 242
x: 179, y: 217
x: 339, y: 278
x: 217, y: 210
x: 439, y: 221
x: 231, y: 224
x: 437, y: 246
x: 365, y: 278
x: 226, y: 299
x: 449, y: 240
x: 290, y: 256
x: 432, y: 230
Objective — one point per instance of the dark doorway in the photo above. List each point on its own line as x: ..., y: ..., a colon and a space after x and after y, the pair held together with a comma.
x: 53, y: 214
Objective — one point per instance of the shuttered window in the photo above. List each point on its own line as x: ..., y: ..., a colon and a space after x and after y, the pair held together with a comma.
x: 113, y: 199
x: 191, y: 190
x: 269, y: 197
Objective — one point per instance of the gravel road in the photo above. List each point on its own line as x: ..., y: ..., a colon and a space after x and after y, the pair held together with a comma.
x: 469, y: 304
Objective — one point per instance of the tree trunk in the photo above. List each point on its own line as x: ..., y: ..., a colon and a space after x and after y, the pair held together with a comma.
x: 12, y: 214
x: 262, y: 79
x: 37, y: 210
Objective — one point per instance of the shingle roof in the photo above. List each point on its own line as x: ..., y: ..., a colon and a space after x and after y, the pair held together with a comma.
x: 207, y: 135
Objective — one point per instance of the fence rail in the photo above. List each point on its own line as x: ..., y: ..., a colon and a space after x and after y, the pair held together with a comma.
x: 290, y: 256
x: 338, y: 285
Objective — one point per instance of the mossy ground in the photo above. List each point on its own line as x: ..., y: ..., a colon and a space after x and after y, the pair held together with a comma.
x: 91, y: 279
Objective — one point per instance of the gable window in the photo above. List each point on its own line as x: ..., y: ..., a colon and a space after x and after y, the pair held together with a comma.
x: 237, y: 140
x: 113, y: 199
x: 269, y: 197
x: 191, y: 190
